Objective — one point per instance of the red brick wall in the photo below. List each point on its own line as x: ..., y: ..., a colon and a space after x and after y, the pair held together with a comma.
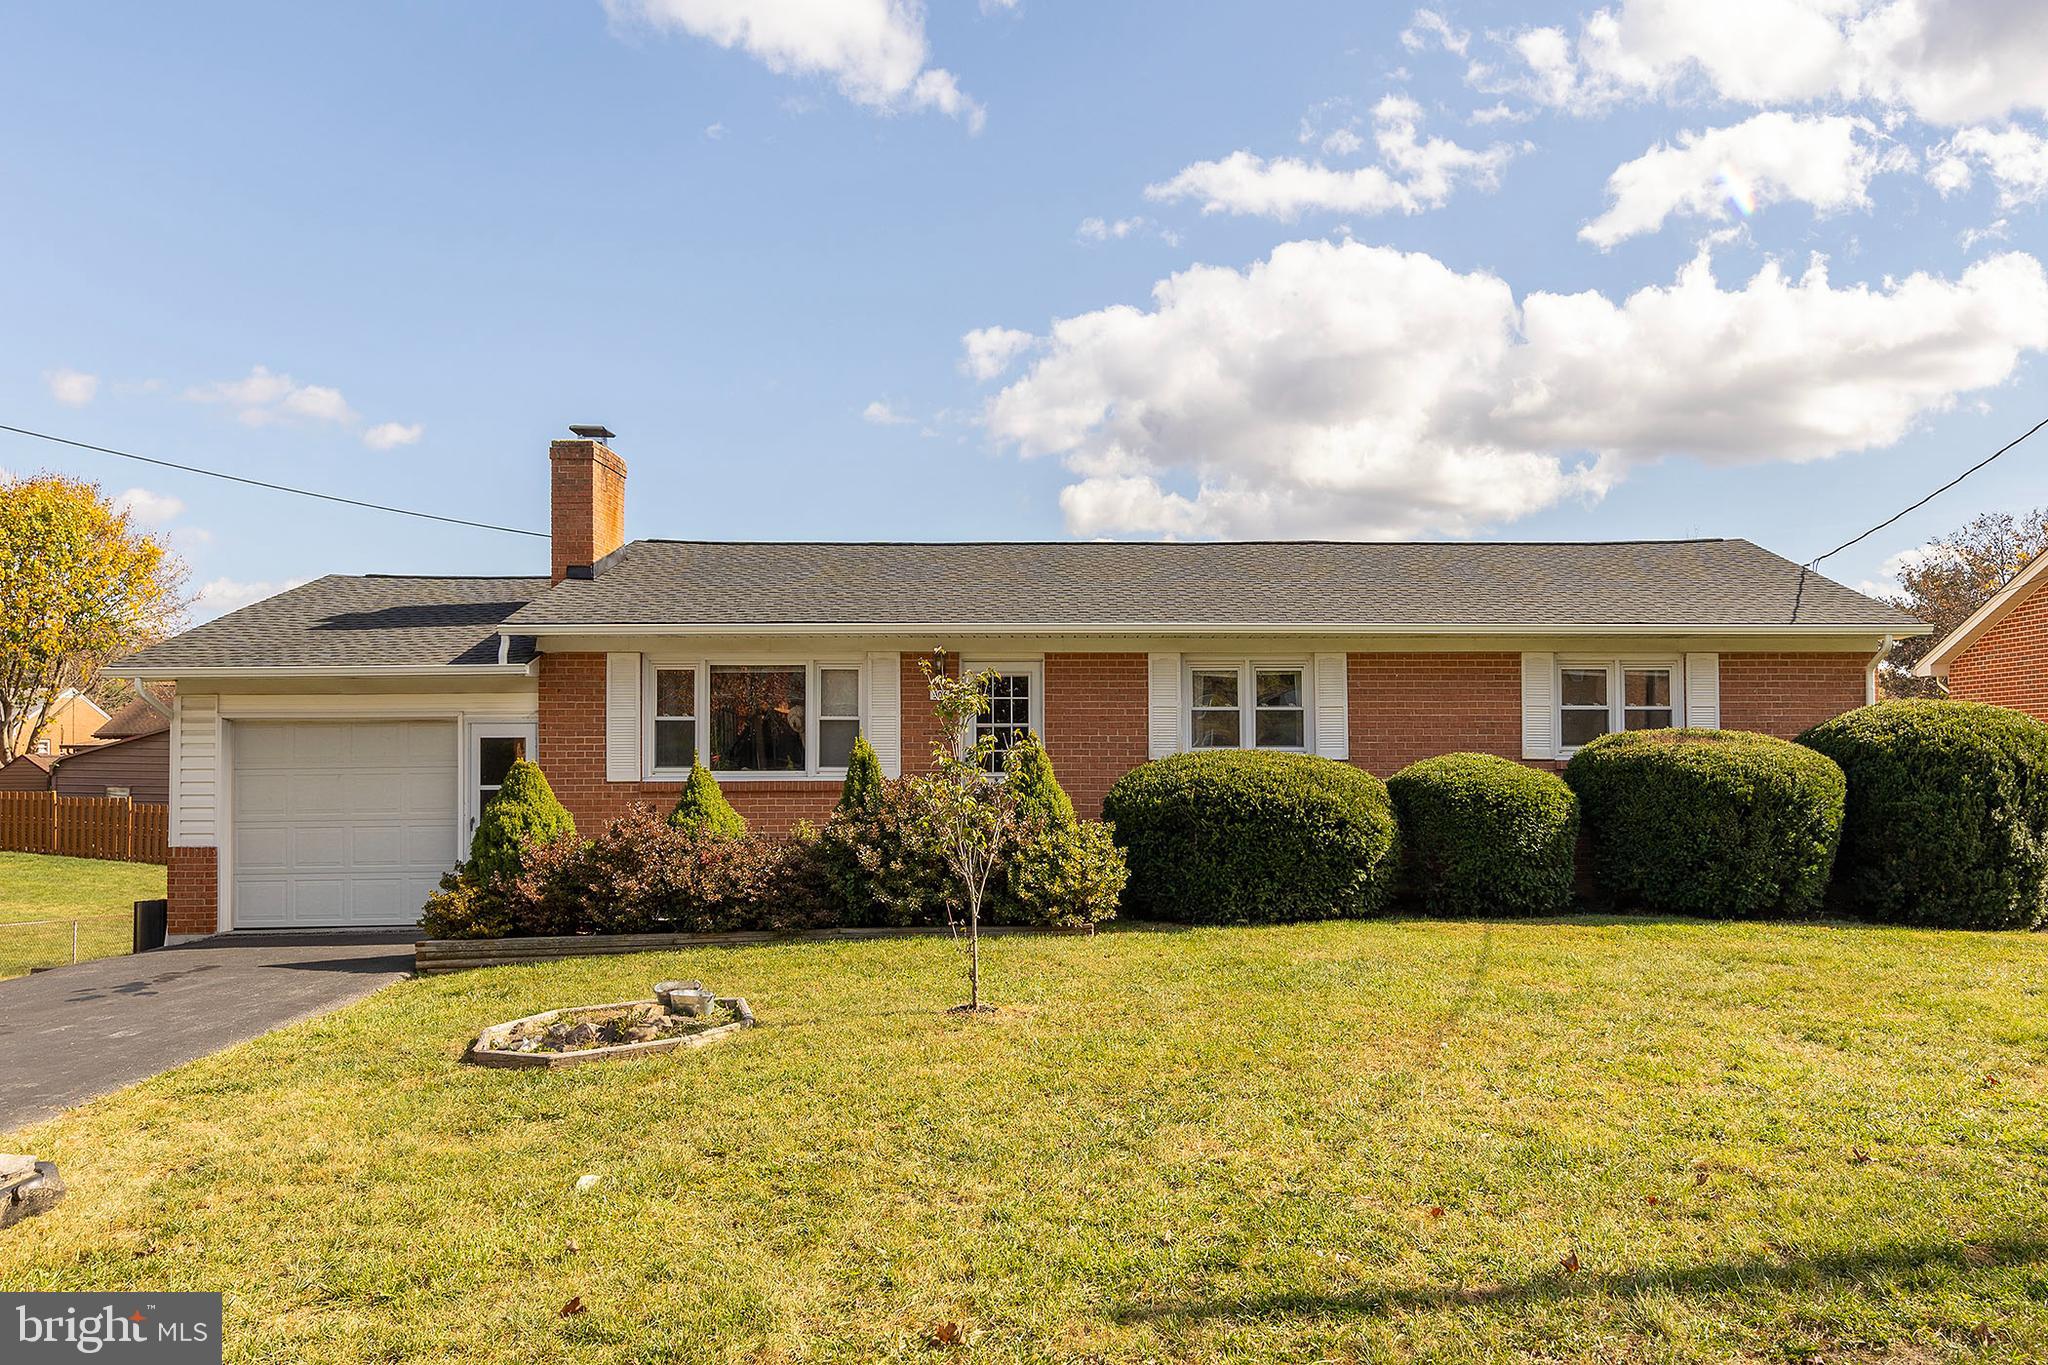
x: 1784, y: 694
x: 1095, y: 713
x: 192, y: 889
x: 1409, y: 706
x: 586, y: 503
x: 2008, y: 664
x: 572, y: 755
x: 920, y: 723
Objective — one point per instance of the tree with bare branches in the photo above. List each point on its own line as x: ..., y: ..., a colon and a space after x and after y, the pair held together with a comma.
x: 1953, y: 576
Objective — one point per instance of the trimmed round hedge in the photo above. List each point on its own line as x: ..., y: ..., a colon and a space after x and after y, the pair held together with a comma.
x: 1948, y: 813
x: 1717, y: 823
x: 1482, y: 835
x: 1243, y: 837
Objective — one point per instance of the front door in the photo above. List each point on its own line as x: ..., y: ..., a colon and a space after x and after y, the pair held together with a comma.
x: 494, y: 746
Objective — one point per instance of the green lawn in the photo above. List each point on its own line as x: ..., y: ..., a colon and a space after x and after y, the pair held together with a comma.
x: 34, y: 886
x: 1328, y: 1142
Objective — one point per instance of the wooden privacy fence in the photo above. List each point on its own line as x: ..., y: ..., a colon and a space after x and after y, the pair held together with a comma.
x: 84, y: 827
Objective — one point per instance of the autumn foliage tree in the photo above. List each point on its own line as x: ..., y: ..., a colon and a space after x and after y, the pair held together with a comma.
x: 1953, y: 576
x: 80, y: 585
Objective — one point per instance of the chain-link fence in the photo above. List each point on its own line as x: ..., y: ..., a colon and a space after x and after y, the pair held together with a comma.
x: 27, y: 945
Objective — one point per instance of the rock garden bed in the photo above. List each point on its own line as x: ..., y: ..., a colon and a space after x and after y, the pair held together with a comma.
x: 682, y: 1014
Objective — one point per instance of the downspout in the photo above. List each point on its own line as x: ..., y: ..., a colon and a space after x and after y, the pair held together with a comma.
x: 1870, y: 674
x: 149, y: 697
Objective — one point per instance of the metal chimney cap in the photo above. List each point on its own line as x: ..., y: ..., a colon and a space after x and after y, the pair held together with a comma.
x: 592, y: 433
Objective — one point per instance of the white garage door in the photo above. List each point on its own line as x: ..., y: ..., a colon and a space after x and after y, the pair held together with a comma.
x: 340, y: 823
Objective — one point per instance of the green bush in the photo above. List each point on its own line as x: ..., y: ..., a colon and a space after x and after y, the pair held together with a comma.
x: 702, y: 812
x: 1482, y: 835
x: 524, y: 813
x: 1060, y: 876
x: 1948, y: 813
x: 1719, y: 823
x: 883, y: 863
x: 1244, y: 837
x: 863, y: 785
x: 1027, y: 768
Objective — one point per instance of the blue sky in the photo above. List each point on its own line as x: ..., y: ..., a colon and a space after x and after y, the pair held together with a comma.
x: 1316, y: 269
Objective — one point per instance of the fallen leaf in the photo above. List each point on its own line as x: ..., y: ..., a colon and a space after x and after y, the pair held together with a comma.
x: 571, y: 1246
x: 584, y: 1182
x: 1436, y: 1210
x: 1570, y: 1264
x: 1990, y: 1081
x: 947, y: 1334
x: 1858, y: 1157
x: 1699, y: 1177
x: 1653, y: 1201
x: 573, y: 1307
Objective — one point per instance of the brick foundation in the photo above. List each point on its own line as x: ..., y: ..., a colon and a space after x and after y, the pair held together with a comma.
x: 1785, y: 694
x: 192, y: 888
x: 2008, y: 664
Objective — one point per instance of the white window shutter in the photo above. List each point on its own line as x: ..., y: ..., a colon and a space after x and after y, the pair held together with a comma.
x: 1163, y: 704
x: 1539, y: 706
x: 885, y: 711
x: 1703, y: 691
x: 1333, y: 718
x: 622, y: 717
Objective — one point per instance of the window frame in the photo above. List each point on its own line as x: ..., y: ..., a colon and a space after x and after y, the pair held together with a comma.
x: 651, y: 664
x: 1033, y: 669
x: 1248, y: 707
x: 1617, y: 667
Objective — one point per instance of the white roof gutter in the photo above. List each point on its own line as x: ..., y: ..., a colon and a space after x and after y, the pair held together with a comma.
x: 161, y: 673
x: 1188, y: 628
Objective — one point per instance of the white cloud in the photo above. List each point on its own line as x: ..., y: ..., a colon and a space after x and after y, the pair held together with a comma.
x: 1948, y: 61
x: 882, y: 415
x: 219, y: 596
x: 874, y: 50
x: 72, y: 388
x: 1892, y: 571
x: 264, y: 396
x: 1413, y: 174
x: 991, y: 350
x: 1094, y: 230
x: 714, y: 131
x: 2015, y: 158
x: 390, y: 435
x: 1969, y: 239
x: 1343, y: 389
x: 997, y: 6
x: 149, y: 509
x: 1430, y: 27
x: 1826, y: 161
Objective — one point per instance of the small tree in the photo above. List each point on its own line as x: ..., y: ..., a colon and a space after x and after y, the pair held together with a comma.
x: 1037, y: 792
x: 862, y: 789
x: 524, y: 813
x: 972, y: 816
x: 80, y: 584
x: 702, y: 810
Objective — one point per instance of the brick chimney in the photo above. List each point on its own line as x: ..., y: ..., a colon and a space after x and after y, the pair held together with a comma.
x: 587, y: 501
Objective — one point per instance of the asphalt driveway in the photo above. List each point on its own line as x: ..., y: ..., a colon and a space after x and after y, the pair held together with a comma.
x: 76, y: 1032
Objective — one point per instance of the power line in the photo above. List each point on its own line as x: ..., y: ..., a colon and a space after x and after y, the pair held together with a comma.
x: 1935, y: 494
x: 275, y: 487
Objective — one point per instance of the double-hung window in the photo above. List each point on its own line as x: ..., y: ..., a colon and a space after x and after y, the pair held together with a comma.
x: 744, y: 718
x: 1600, y: 696
x: 1247, y: 705
x: 1014, y: 704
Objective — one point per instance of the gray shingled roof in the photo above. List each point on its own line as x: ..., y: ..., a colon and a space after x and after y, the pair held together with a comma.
x: 341, y: 621
x: 1279, y: 583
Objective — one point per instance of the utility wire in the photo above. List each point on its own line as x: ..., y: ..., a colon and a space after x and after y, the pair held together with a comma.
x: 275, y: 487
x: 1935, y: 494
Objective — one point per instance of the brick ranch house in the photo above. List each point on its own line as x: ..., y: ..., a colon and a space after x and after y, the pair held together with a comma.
x: 1999, y: 654
x: 332, y: 745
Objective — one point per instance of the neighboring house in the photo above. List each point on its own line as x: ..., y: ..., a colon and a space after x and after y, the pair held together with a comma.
x: 141, y: 716
x: 130, y: 755
x: 1999, y: 654
x: 333, y: 744
x: 73, y: 718
x: 27, y: 773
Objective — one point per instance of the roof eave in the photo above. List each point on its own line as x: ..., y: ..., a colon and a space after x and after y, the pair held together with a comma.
x: 1935, y: 663
x: 535, y: 628
x: 162, y: 672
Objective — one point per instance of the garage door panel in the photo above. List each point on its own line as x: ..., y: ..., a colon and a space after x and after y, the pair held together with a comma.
x: 341, y: 823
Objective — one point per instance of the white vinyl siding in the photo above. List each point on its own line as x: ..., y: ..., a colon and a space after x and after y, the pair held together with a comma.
x: 195, y: 771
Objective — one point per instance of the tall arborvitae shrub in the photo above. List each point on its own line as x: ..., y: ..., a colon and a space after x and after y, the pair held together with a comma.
x: 862, y: 790
x: 1037, y: 792
x: 523, y: 813
x: 702, y: 810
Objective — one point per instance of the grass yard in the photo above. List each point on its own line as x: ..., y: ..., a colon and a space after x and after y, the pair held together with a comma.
x: 1324, y: 1142
x: 36, y: 886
